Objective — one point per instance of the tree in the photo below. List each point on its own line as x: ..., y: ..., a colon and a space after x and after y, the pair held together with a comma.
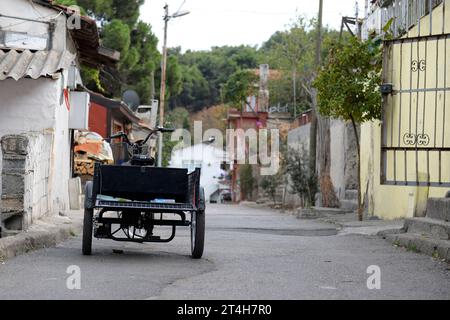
x: 120, y: 30
x: 212, y: 118
x: 239, y: 87
x: 247, y: 181
x: 303, y: 181
x: 195, y: 89
x: 206, y: 72
x: 292, y: 52
x: 348, y: 87
x: 116, y: 35
x: 270, y: 185
x: 177, y: 118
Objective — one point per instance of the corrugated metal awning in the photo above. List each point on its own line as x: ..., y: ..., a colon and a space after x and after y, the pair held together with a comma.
x: 18, y: 64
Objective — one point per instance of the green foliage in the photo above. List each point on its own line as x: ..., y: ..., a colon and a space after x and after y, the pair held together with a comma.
x: 67, y: 2
x: 348, y: 84
x: 270, y: 185
x: 138, y: 76
x: 136, y: 42
x: 127, y: 11
x: 247, y: 181
x: 177, y: 118
x: 99, y: 8
x: 168, y: 146
x: 209, y: 71
x: 239, y: 87
x: 116, y: 35
x: 195, y: 89
x: 174, y: 77
x: 91, y: 77
x: 292, y: 52
x: 303, y: 182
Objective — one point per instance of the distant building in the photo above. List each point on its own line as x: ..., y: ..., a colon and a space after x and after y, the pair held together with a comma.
x: 109, y: 116
x: 213, y: 163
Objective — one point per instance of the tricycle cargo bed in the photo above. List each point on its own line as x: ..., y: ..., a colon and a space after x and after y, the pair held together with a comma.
x: 147, y: 184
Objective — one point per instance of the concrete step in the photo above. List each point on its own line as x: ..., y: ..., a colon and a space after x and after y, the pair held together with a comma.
x: 351, y: 195
x: 438, y: 208
x: 436, y: 229
x: 420, y: 243
x: 351, y: 205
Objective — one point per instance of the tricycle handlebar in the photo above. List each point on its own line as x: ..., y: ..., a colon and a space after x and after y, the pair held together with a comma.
x: 152, y: 132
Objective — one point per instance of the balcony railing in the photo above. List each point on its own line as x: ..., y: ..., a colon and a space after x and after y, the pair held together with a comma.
x: 404, y: 14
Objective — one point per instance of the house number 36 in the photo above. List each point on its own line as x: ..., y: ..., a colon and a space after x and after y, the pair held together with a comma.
x: 418, y: 65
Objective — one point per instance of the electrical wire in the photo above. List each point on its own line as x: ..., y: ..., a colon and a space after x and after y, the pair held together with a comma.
x: 182, y: 4
x: 40, y: 14
x: 51, y: 17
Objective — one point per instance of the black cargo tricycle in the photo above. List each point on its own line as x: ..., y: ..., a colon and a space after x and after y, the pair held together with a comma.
x: 125, y: 202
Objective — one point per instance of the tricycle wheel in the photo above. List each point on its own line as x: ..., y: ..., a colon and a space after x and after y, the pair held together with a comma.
x: 87, y: 231
x: 197, y: 234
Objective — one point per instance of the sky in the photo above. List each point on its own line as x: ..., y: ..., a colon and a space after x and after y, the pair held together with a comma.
x: 235, y: 22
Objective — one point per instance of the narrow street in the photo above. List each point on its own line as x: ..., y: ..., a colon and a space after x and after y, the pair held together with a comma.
x: 249, y: 254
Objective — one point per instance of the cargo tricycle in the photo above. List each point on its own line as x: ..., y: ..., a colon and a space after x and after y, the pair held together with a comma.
x: 126, y: 202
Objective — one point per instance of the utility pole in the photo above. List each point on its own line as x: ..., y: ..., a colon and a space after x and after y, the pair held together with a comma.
x: 313, y: 129
x: 162, y: 95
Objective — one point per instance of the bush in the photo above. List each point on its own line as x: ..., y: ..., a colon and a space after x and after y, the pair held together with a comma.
x: 303, y: 181
x: 247, y: 181
x: 270, y: 185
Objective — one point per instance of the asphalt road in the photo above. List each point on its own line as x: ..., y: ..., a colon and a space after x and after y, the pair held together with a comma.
x: 249, y: 254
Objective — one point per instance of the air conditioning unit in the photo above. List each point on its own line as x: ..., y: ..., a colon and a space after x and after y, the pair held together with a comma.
x: 79, y: 110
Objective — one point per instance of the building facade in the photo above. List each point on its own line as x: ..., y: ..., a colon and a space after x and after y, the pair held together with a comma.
x: 211, y: 160
x: 40, y: 57
x: 406, y: 156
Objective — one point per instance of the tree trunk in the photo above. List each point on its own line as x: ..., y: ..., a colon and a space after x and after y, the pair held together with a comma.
x: 313, y: 133
x: 329, y: 198
x: 360, y: 208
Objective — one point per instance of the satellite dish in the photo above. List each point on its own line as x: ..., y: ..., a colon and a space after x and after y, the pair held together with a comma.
x: 131, y: 99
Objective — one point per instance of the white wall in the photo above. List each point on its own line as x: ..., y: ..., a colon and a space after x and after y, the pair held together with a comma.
x: 35, y: 108
x: 25, y: 9
x: 32, y: 108
x: 210, y: 159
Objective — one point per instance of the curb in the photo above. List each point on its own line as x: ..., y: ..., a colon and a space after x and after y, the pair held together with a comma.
x: 437, y: 249
x: 25, y: 242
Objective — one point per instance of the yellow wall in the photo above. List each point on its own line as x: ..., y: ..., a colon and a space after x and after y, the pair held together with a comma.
x: 390, y: 202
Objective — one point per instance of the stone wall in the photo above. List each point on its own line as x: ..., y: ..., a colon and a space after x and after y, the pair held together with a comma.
x: 344, y: 157
x: 14, y: 151
x: 25, y: 174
